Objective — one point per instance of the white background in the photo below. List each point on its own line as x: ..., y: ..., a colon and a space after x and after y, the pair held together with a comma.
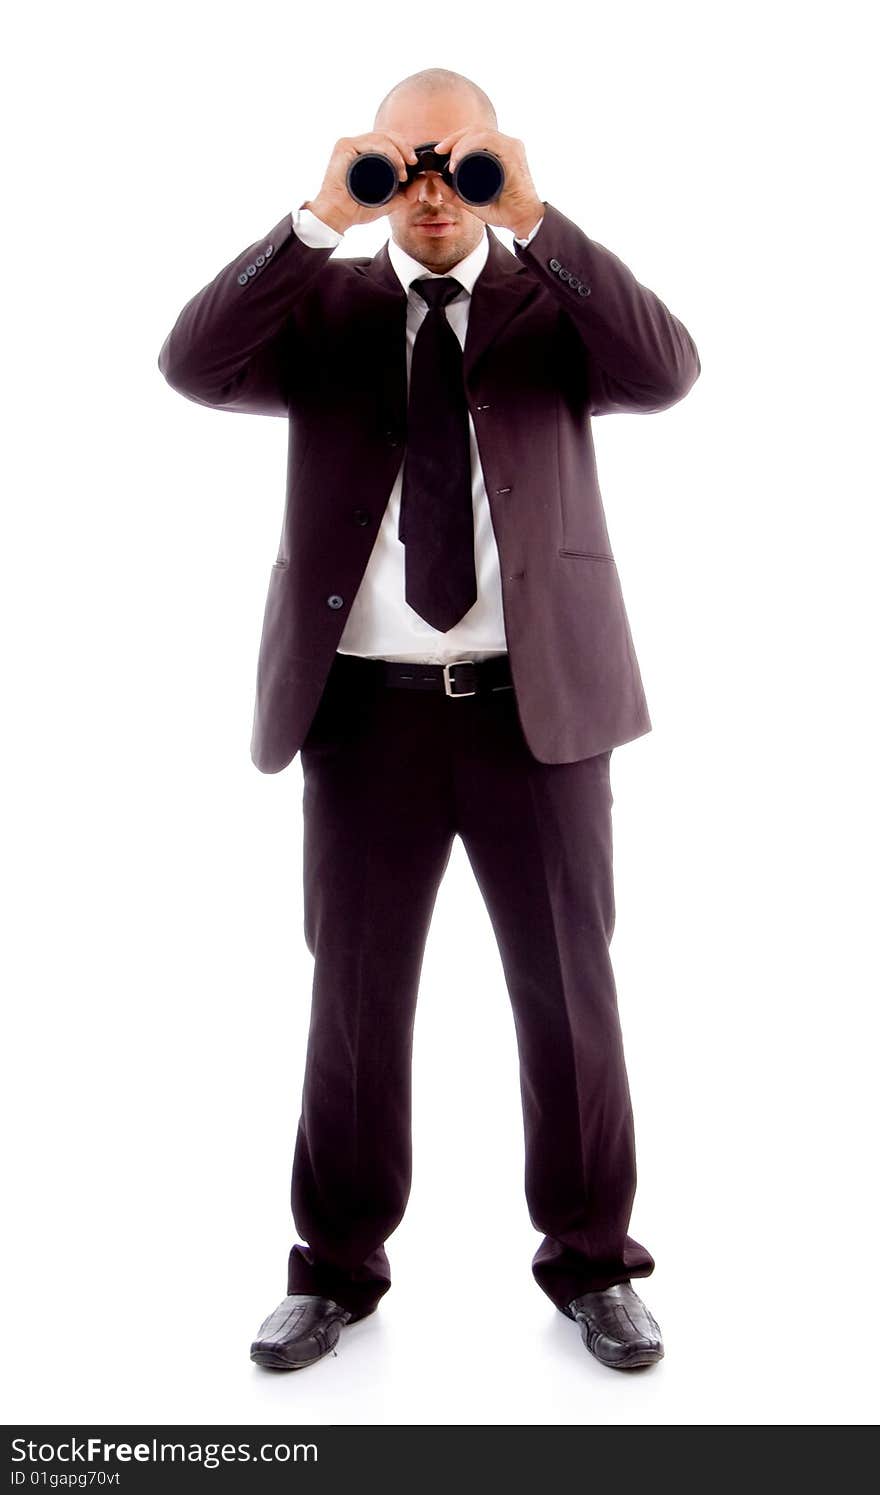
x: 157, y: 981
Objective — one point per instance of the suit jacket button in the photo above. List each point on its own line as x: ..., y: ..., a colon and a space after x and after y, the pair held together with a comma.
x: 362, y: 516
x: 583, y: 290
x: 334, y: 601
x: 555, y: 265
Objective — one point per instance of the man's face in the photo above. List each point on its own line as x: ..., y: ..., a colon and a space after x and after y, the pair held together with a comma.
x: 427, y: 200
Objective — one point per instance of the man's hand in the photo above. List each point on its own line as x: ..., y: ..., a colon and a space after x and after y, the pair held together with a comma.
x: 519, y: 207
x: 334, y: 203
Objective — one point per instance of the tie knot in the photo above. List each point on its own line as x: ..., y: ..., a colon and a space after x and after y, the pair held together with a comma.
x: 439, y: 291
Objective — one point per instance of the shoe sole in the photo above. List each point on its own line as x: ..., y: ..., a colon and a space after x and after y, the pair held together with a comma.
x: 270, y: 1360
x: 634, y: 1361
x: 638, y: 1362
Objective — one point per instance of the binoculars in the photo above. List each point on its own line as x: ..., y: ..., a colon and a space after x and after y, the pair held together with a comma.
x: 372, y: 178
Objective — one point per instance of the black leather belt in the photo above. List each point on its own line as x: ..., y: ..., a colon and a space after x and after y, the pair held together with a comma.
x: 460, y: 677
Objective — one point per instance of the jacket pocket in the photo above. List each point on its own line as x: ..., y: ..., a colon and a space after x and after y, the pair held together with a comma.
x: 589, y: 555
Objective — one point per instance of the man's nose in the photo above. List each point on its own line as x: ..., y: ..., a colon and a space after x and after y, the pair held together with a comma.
x: 432, y: 187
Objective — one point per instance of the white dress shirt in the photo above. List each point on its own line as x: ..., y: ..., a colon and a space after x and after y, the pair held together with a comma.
x: 381, y: 623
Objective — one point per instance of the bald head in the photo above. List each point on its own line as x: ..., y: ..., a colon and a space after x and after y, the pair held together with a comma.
x: 435, y: 90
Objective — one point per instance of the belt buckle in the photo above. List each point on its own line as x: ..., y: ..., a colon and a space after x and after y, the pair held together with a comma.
x: 447, y: 681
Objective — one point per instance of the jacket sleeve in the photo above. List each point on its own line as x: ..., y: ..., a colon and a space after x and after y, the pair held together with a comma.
x: 233, y: 346
x: 637, y: 355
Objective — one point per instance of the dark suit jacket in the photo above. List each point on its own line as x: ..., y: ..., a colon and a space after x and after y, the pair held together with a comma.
x: 558, y: 332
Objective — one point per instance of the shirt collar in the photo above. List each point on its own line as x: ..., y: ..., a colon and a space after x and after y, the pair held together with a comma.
x: 466, y: 271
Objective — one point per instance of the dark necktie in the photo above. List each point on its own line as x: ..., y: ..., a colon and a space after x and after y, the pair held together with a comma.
x: 436, y: 507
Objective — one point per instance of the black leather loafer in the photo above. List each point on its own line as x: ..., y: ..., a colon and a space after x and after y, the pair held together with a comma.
x: 302, y: 1329
x: 617, y: 1328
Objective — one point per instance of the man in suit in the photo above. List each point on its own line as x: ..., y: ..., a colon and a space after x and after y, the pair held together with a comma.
x: 446, y: 645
